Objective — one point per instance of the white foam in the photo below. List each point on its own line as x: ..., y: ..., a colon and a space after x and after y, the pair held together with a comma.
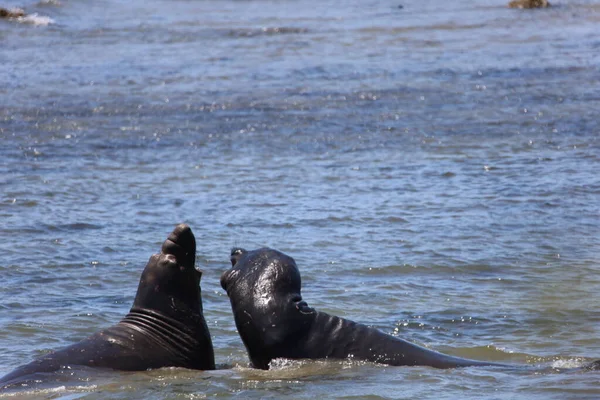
x: 35, y: 19
x: 571, y: 363
x: 285, y: 363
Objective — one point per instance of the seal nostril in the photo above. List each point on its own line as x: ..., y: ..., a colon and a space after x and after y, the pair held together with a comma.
x: 236, y: 253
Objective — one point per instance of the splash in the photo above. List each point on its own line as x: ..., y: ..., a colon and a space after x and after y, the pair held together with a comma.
x: 55, y: 3
x: 71, y: 392
x: 285, y: 363
x: 569, y: 363
x: 35, y: 19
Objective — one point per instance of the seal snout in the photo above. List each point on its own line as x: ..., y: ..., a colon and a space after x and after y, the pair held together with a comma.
x: 181, y: 244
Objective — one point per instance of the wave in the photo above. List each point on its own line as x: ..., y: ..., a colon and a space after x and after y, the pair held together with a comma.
x: 265, y: 31
x: 35, y: 19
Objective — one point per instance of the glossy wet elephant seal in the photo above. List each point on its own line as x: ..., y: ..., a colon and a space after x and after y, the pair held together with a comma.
x: 274, y: 322
x: 164, y: 328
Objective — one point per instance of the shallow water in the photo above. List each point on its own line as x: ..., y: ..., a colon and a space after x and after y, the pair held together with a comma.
x: 433, y: 169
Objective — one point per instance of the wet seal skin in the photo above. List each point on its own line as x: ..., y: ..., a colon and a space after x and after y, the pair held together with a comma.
x: 529, y: 4
x: 274, y: 322
x: 164, y: 328
x: 12, y: 13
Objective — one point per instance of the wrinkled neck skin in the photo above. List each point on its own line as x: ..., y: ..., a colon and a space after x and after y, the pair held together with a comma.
x: 307, y: 333
x: 357, y: 341
x: 185, y: 341
x: 144, y: 339
x: 159, y: 331
x: 173, y: 324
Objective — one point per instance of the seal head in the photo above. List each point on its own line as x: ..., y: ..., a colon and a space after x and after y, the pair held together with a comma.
x: 170, y: 283
x: 264, y: 288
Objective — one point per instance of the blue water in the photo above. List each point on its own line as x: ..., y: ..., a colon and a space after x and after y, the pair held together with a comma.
x: 433, y: 169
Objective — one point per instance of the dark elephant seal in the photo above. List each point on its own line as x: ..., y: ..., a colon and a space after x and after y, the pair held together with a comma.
x: 165, y: 327
x: 274, y: 322
x: 14, y: 13
x: 529, y: 4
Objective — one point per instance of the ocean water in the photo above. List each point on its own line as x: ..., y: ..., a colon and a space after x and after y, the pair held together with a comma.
x: 433, y: 167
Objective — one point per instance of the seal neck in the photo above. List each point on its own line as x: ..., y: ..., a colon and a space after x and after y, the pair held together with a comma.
x: 188, y: 342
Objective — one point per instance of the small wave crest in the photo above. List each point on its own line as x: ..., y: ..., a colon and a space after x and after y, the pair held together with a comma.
x: 35, y: 19
x: 24, y: 391
x: 285, y: 363
x: 19, y: 15
x: 292, y: 369
x: 568, y: 363
x: 490, y: 352
x: 265, y: 31
x: 55, y: 3
x: 316, y: 366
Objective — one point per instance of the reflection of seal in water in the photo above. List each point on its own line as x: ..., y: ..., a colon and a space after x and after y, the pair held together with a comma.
x: 165, y: 327
x: 14, y: 13
x: 529, y: 4
x: 273, y: 321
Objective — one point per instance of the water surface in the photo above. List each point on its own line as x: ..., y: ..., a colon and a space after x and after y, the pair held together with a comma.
x: 433, y: 169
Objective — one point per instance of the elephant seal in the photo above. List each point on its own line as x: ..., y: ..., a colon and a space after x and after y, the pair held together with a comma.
x: 12, y: 13
x: 274, y: 322
x: 529, y: 4
x: 164, y: 328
